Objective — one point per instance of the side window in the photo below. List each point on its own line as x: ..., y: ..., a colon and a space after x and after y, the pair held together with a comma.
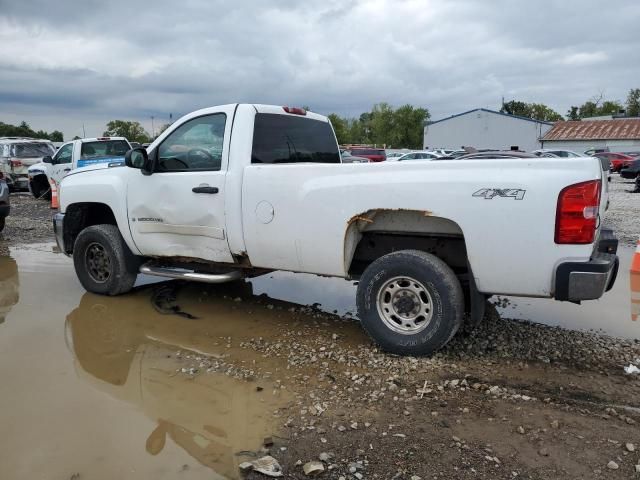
x: 195, y: 145
x: 64, y: 154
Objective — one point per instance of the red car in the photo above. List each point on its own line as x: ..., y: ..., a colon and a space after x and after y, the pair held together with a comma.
x: 618, y: 160
x: 373, y: 154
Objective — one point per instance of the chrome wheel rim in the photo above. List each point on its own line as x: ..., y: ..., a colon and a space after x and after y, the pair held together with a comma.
x: 97, y: 263
x: 405, y: 305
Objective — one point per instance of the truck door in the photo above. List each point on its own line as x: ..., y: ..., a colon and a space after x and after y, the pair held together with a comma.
x: 178, y: 210
x: 61, y: 164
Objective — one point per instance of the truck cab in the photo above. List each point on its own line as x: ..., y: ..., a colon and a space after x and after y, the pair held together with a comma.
x: 75, y: 154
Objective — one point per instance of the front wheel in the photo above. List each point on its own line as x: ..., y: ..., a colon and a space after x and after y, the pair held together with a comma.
x: 103, y: 262
x: 410, y: 302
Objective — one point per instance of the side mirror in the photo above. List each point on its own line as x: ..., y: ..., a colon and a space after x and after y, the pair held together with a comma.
x: 138, y: 158
x: 47, y: 159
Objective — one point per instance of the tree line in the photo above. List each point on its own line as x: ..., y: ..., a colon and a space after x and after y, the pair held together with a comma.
x: 594, y: 107
x: 24, y: 130
x: 383, y: 125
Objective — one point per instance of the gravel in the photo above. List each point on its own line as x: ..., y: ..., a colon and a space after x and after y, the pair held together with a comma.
x: 623, y: 211
x: 29, y: 221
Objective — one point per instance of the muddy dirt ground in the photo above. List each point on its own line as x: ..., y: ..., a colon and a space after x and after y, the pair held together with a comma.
x: 125, y: 388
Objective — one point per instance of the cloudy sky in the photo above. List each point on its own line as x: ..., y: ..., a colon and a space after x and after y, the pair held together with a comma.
x: 68, y: 63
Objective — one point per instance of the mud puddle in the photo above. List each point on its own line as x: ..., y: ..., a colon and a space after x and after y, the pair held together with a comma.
x: 101, y: 387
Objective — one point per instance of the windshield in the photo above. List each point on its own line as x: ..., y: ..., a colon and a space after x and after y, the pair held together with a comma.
x: 29, y: 150
x: 109, y: 148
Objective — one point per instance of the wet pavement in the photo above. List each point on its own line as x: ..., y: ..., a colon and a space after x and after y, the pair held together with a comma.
x: 94, y: 385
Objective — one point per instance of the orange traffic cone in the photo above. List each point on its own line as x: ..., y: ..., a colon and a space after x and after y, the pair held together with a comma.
x: 54, y: 194
x: 634, y: 276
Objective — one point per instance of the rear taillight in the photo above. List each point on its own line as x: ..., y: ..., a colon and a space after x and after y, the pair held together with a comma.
x: 577, y: 213
x: 295, y: 110
x: 15, y: 162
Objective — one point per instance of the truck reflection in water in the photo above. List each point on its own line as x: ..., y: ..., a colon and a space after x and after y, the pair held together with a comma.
x: 9, y: 286
x: 128, y: 350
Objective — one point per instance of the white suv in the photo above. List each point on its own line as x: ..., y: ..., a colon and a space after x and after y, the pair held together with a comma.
x: 17, y: 154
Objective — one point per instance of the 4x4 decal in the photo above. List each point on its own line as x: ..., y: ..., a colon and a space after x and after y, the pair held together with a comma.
x: 491, y: 193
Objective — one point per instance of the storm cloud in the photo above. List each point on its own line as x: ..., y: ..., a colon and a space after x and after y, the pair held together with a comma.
x: 68, y: 64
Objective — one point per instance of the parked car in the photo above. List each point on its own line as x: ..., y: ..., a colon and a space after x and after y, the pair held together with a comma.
x: 373, y: 154
x: 592, y: 151
x: 631, y: 171
x: 348, y: 158
x: 498, y: 154
x: 75, y: 154
x: 418, y: 156
x: 557, y: 153
x: 396, y: 155
x: 223, y: 194
x: 5, y: 208
x: 617, y: 160
x: 17, y: 154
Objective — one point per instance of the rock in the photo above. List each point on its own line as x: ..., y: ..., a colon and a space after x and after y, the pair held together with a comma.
x: 324, y: 457
x: 630, y: 447
x: 520, y: 430
x: 415, y: 477
x: 612, y: 465
x: 267, y: 442
x: 358, y: 475
x: 637, y: 468
x: 555, y: 424
x: 245, y: 466
x: 465, y: 410
x: 266, y: 465
x: 313, y: 468
x: 342, y: 428
x: 543, y: 452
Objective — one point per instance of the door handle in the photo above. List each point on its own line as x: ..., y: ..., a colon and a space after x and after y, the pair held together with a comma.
x: 204, y: 189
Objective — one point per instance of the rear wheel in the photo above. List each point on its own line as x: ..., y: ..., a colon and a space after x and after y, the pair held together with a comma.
x: 103, y: 262
x: 410, y: 302
x: 2, y: 221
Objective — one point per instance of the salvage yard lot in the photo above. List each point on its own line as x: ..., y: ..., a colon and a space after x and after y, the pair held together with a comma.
x: 126, y: 388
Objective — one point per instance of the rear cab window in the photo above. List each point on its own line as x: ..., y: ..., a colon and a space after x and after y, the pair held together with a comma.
x: 292, y: 139
x: 101, y: 151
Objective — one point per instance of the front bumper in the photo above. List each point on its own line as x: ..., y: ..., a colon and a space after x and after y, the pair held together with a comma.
x: 577, y: 281
x: 58, y: 230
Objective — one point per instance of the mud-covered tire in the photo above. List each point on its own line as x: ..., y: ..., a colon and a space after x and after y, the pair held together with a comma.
x: 104, y: 263
x: 2, y: 222
x: 431, y: 286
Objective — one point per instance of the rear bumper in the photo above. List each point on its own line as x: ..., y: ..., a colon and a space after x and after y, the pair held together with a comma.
x: 577, y: 281
x: 18, y: 182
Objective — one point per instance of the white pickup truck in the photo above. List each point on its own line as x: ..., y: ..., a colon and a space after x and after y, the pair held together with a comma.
x: 75, y: 154
x: 239, y: 190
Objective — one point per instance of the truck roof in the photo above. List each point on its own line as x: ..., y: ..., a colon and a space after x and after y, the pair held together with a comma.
x: 99, y: 139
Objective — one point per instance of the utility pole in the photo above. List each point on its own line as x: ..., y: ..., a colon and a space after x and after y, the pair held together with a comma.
x: 153, y: 129
x: 84, y: 134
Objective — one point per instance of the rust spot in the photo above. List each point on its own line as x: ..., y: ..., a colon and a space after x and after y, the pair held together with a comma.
x: 427, y: 213
x: 364, y: 219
